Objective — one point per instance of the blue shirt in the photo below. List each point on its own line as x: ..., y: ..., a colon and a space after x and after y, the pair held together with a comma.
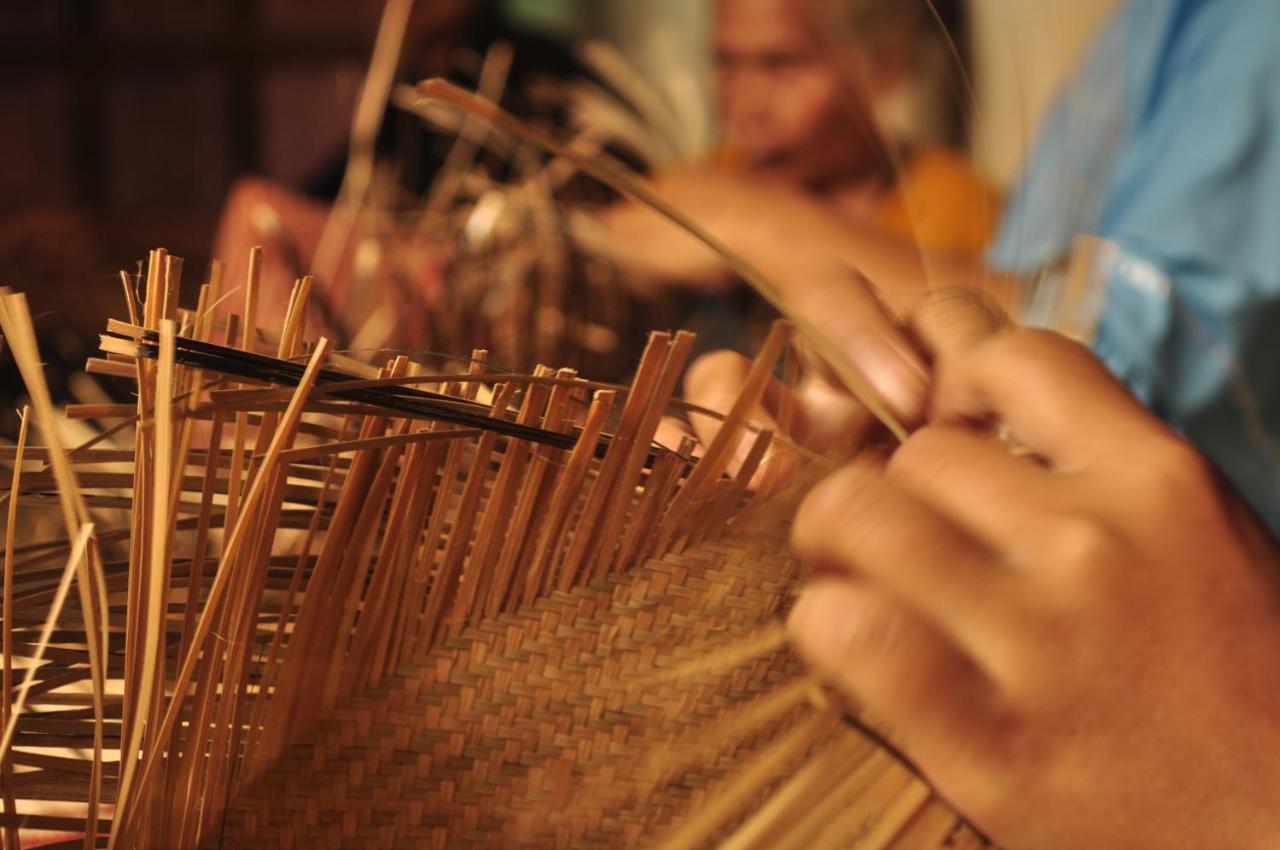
x: 1167, y: 145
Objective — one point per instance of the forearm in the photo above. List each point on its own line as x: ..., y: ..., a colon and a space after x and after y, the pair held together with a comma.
x: 795, y: 238
x: 787, y: 236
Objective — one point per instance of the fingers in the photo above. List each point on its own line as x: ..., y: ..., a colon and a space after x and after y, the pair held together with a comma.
x: 714, y: 381
x: 844, y: 308
x: 828, y: 420
x: 672, y: 433
x: 862, y: 524
x: 897, y: 666
x: 1051, y: 394
x: 951, y: 321
x: 977, y: 484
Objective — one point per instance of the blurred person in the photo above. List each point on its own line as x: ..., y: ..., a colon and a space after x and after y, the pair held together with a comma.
x: 854, y: 108
x: 385, y: 289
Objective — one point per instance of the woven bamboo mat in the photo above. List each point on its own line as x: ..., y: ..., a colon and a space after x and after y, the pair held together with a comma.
x: 555, y: 727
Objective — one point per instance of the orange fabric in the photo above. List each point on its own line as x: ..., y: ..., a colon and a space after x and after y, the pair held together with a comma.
x: 941, y: 204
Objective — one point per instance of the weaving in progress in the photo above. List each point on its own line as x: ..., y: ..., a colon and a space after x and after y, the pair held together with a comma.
x: 617, y: 425
x: 469, y: 609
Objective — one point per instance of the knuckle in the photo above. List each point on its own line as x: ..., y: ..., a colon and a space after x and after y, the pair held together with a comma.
x: 1079, y: 546
x: 1029, y: 350
x: 1173, y: 467
x: 922, y: 453
x: 956, y: 318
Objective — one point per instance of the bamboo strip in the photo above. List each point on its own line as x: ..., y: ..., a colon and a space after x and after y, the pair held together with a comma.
x: 410, y: 618
x: 153, y: 578
x: 507, y: 489
x: 890, y: 824
x: 618, y: 178
x: 640, y: 539
x: 718, y: 514
x: 15, y: 322
x: 460, y: 585
x: 852, y: 802
x: 78, y: 552
x: 6, y: 708
x: 718, y: 454
x: 398, y: 440
x: 747, y: 785
x: 541, y: 573
x: 929, y: 829
x: 523, y: 535
x: 216, y: 591
x: 377, y: 628
x: 607, y: 488
x: 291, y: 602
x: 672, y: 372
x: 770, y: 639
x: 844, y: 759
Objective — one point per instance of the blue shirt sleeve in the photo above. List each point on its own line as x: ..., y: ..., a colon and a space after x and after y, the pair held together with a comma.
x: 1168, y: 147
x: 1192, y: 314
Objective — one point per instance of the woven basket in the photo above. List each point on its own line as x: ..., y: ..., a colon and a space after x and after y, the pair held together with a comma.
x: 384, y: 613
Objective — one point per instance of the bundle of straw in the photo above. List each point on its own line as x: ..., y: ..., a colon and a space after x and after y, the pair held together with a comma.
x: 486, y: 256
x: 383, y: 608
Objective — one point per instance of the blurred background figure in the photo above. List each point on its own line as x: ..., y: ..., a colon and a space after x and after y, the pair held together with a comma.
x: 860, y: 108
x: 861, y: 102
x: 354, y: 222
x: 135, y: 118
x: 433, y: 233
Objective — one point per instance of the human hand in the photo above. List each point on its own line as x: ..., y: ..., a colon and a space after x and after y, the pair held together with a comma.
x: 1079, y: 646
x: 825, y: 416
x: 784, y: 233
x: 657, y: 252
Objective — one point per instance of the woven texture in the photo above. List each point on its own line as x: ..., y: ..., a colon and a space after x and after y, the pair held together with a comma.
x: 376, y: 617
x: 490, y: 740
x: 548, y: 727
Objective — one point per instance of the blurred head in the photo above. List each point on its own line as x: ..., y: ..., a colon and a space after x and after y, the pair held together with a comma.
x: 801, y: 82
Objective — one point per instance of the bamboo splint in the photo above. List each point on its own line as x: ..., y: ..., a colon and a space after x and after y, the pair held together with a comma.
x: 311, y: 608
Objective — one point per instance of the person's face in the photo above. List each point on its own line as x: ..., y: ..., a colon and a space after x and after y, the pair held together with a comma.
x: 788, y: 106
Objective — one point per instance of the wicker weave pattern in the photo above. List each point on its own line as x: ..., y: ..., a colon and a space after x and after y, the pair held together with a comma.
x: 546, y: 728
x: 483, y: 742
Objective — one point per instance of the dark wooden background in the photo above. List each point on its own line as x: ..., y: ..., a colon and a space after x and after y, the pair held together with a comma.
x: 124, y: 122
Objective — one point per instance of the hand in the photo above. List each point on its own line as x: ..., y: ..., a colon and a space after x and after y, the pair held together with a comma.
x: 287, y: 224
x: 825, y: 417
x: 1079, y: 646
x: 785, y: 233
x: 659, y: 254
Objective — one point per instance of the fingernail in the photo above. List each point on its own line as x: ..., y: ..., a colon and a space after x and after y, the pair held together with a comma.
x: 899, y: 380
